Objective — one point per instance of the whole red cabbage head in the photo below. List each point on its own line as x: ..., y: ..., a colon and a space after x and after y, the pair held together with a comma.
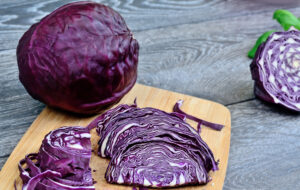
x: 82, y: 57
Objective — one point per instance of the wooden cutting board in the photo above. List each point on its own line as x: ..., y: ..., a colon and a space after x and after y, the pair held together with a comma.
x: 49, y: 119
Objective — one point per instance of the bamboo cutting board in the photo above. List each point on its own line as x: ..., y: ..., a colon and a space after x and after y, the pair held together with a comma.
x: 49, y: 119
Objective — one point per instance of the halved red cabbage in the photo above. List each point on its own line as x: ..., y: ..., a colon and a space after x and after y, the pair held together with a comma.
x: 62, y: 162
x: 276, y: 69
x: 156, y: 164
x: 128, y: 126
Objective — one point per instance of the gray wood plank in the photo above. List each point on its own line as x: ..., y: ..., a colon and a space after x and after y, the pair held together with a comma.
x: 17, y: 108
x: 8, y: 41
x: 203, y: 59
x: 265, y: 148
x: 141, y: 15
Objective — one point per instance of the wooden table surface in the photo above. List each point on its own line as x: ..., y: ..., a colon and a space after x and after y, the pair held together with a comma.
x: 196, y: 47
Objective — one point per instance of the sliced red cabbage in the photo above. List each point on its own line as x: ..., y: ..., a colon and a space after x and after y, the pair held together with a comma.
x: 127, y: 125
x: 62, y: 162
x: 34, y: 181
x: 200, y: 122
x: 156, y: 164
x: 276, y: 69
x: 68, y: 151
x: 108, y: 114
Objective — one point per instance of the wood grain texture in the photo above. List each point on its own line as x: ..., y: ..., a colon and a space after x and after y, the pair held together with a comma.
x: 218, y: 141
x: 265, y: 147
x: 142, y: 15
x: 17, y: 108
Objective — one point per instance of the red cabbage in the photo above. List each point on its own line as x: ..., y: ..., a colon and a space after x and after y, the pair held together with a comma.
x: 128, y: 130
x: 62, y: 162
x: 275, y: 69
x: 82, y: 57
x: 156, y: 164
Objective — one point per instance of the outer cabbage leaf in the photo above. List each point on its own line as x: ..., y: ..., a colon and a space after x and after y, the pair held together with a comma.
x: 286, y: 19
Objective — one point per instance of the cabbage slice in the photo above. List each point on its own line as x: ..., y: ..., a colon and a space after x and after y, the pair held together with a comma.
x: 156, y: 164
x: 127, y: 127
x: 68, y: 151
x: 62, y: 162
x: 276, y: 69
